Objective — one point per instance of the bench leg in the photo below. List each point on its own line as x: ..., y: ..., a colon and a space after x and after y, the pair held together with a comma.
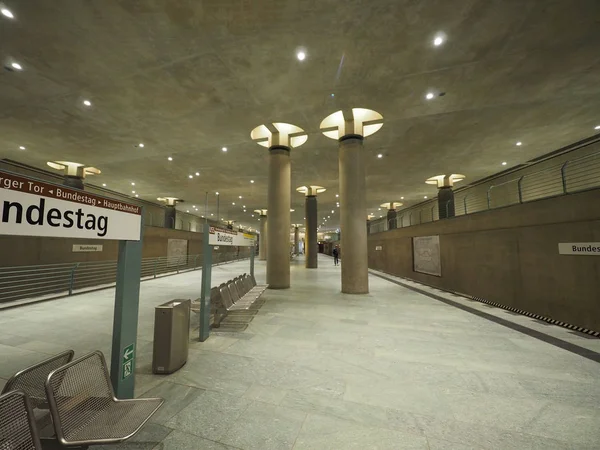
x: 53, y: 444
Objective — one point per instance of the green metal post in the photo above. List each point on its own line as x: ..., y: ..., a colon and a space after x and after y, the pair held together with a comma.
x: 125, y: 324
x: 252, y: 252
x: 206, y: 276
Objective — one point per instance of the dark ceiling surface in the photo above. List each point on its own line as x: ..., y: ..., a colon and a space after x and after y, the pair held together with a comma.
x: 188, y: 77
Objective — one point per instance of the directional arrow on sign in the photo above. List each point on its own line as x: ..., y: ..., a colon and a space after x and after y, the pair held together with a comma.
x: 127, y: 354
x: 52, y: 192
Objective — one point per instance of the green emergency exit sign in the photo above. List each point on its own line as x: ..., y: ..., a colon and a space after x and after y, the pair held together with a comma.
x: 127, y: 361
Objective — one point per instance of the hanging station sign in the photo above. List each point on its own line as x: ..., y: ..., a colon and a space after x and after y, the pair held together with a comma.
x: 29, y: 207
x: 222, y: 236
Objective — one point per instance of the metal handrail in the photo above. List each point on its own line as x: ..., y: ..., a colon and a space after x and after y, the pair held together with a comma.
x: 574, y: 175
x: 63, y: 279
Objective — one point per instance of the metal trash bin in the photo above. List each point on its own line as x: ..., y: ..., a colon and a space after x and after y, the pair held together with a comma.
x: 171, y: 336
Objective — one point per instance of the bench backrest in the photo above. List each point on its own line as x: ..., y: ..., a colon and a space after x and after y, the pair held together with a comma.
x: 247, y: 283
x: 77, y: 392
x: 17, y: 425
x: 253, y: 280
x: 241, y: 288
x: 226, y: 296
x: 215, y: 296
x: 235, y: 297
x: 31, y: 380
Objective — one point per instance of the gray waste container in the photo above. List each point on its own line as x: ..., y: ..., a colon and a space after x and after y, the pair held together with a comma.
x: 171, y: 336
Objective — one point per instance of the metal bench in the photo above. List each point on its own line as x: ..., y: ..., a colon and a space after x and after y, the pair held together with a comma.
x: 84, y: 408
x: 17, y: 425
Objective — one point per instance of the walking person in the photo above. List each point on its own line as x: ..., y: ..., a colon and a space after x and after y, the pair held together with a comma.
x: 336, y: 255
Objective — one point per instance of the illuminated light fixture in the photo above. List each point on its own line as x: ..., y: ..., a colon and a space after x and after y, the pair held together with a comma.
x: 310, y: 190
x: 73, y: 169
x: 197, y: 174
x: 301, y: 56
x: 337, y: 195
x: 133, y: 192
x: 193, y: 206
x: 21, y: 148
x: 292, y: 210
x: 244, y: 206
x: 87, y: 103
x: 211, y: 214
x: 224, y: 149
x: 332, y: 211
x: 133, y: 184
x: 216, y: 193
x: 504, y: 163
x: 190, y: 176
x: 439, y: 40
x: 519, y: 144
x: 141, y: 145
x: 252, y: 215
x: 597, y: 127
x: 251, y: 181
x: 7, y: 13
x: 136, y: 195
x: 401, y: 198
x: 16, y: 66
x: 240, y: 196
x: 188, y: 211
x: 233, y: 203
x: 244, y: 210
x: 429, y: 95
x: 279, y: 134
x: 170, y: 158
x: 380, y: 155
x: 103, y: 184
x: 379, y: 209
x: 360, y: 121
x: 445, y: 180
x: 425, y: 197
x: 333, y: 95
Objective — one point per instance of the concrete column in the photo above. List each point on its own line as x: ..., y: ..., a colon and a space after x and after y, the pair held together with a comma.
x: 170, y: 216
x: 355, y: 274
x: 296, y: 240
x: 446, y: 202
x: 262, y: 244
x: 279, y: 199
x: 391, y: 218
x: 311, y: 249
x: 74, y: 173
x: 73, y: 182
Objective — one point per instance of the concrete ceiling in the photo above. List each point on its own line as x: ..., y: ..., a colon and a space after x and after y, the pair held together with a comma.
x: 188, y: 77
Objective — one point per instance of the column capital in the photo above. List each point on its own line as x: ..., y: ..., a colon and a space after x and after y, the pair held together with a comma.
x: 261, y: 212
x: 170, y: 201
x: 391, y: 205
x: 445, y: 181
x: 311, y: 191
x: 355, y: 123
x: 74, y: 169
x: 279, y: 136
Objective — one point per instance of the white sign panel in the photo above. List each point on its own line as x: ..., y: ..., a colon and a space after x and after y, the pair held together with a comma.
x: 221, y: 236
x: 426, y: 255
x: 34, y: 208
x: 378, y: 247
x: 579, y: 248
x: 87, y: 248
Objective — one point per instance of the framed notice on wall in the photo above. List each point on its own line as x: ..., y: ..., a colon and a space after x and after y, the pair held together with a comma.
x: 426, y: 255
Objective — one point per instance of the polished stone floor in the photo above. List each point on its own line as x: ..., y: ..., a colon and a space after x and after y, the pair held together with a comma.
x: 317, y: 369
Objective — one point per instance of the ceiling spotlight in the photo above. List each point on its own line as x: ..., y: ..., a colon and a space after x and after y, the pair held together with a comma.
x: 16, y: 66
x: 251, y: 181
x: 244, y: 210
x: 197, y: 174
x: 193, y: 206
x: 136, y: 195
x: 504, y: 163
x: 87, y: 103
x: 333, y: 95
x: 133, y: 192
x: 103, y: 184
x: 252, y: 215
x: 191, y: 176
x: 170, y: 159
x: 337, y: 195
x: 224, y: 149
x: 133, y: 184
x: 141, y: 145
x: 425, y: 197
x: 301, y: 56
x: 244, y: 206
x: 240, y: 196
x: 380, y: 155
x: 216, y: 193
x: 401, y: 198
x: 211, y: 214
x: 332, y: 211
x: 188, y: 211
x: 233, y: 203
x: 519, y: 144
x: 597, y: 127
x: 21, y: 148
x: 379, y: 209
x: 7, y: 13
x: 439, y: 40
x: 429, y: 95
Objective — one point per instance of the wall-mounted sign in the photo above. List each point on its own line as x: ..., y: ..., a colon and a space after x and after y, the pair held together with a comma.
x: 378, y: 247
x: 87, y: 248
x: 29, y: 207
x: 426, y: 255
x: 579, y: 248
x: 222, y: 236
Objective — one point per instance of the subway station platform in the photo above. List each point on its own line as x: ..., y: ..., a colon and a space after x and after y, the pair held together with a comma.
x: 317, y: 369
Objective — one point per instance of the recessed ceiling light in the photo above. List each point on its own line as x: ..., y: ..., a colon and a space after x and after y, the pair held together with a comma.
x: 133, y: 192
x: 170, y: 159
x: 224, y: 149
x: 519, y: 144
x: 191, y: 176
x: 244, y: 210
x: 425, y: 197
x: 251, y: 181
x: 301, y: 56
x: 597, y: 127
x: 244, y: 206
x: 333, y: 95
x: 188, y: 211
x: 141, y: 145
x: 380, y: 155
x: 337, y: 195
x: 193, y: 206
x: 211, y: 214
x: 439, y: 40
x: 401, y: 198
x: 252, y: 215
x: 136, y: 195
x: 103, y: 184
x: 429, y: 95
x: 504, y: 163
x: 21, y: 148
x: 133, y: 184
x: 216, y: 193
x: 16, y: 66
x: 233, y: 203
x: 379, y: 209
x: 87, y: 103
x: 197, y: 174
x: 240, y: 196
x: 7, y: 13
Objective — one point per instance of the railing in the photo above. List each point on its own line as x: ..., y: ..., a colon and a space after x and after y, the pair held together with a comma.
x: 56, y: 280
x: 575, y: 175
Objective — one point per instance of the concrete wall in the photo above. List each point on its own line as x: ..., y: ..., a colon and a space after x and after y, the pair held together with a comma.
x: 510, y: 256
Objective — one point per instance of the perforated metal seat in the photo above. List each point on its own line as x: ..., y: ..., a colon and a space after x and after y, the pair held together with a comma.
x: 17, y: 426
x: 84, y: 408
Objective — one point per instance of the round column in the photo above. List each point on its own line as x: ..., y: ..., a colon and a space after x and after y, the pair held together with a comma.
x: 391, y: 218
x: 170, y: 216
x: 279, y: 202
x: 296, y: 240
x: 446, y: 202
x: 74, y: 173
x: 311, y: 249
x: 262, y: 249
x: 355, y: 270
